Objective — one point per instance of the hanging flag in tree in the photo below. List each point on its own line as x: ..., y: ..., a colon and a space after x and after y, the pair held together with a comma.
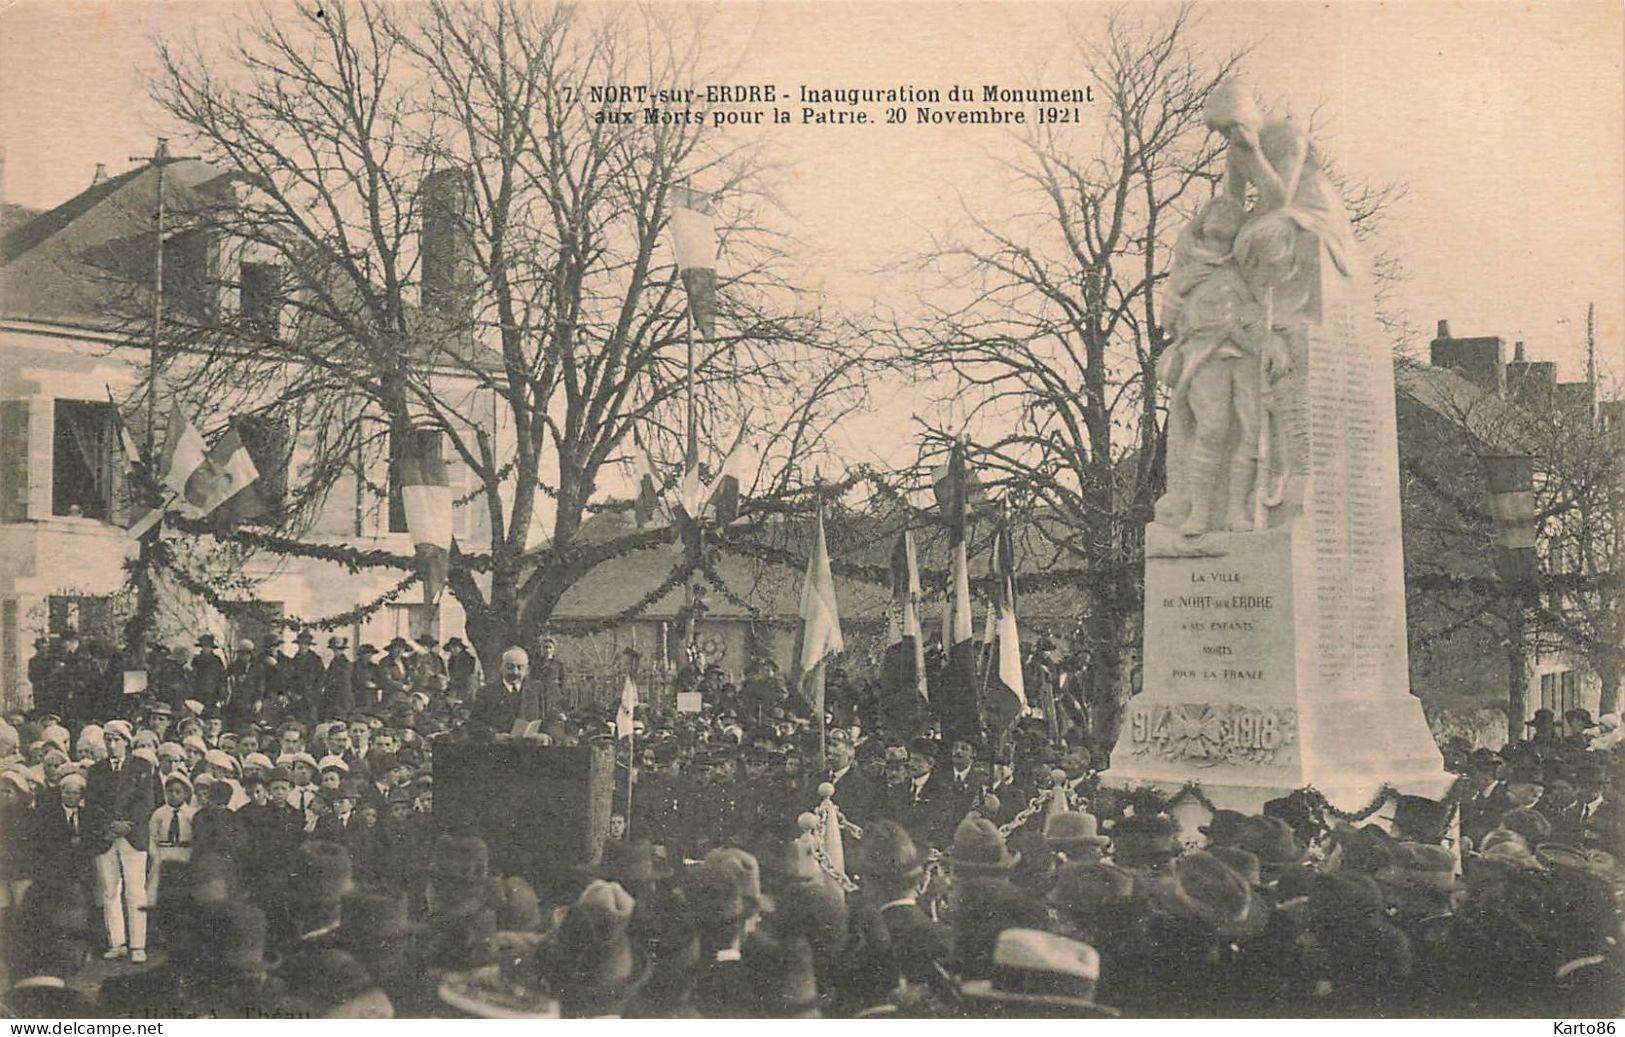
x: 722, y: 496
x: 1511, y: 479
x: 956, y: 702
x: 903, y: 677
x: 820, y: 635
x: 628, y: 708
x: 649, y: 508
x: 1007, y: 691
x: 205, y: 479
x: 426, y: 499
x: 184, y: 452
x: 132, y: 454
x: 694, y: 238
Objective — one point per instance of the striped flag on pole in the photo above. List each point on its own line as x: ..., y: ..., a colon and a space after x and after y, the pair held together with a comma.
x: 820, y: 635
x: 184, y: 451
x: 956, y: 703
x: 722, y: 496
x: 694, y: 239
x: 628, y: 708
x: 1511, y: 479
x: 649, y: 508
x: 1007, y: 690
x: 205, y: 479
x: 903, y: 678
x: 426, y: 499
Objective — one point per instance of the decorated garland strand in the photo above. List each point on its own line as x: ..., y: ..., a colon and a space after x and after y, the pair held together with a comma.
x: 351, y: 558
x: 359, y: 614
x: 1319, y: 801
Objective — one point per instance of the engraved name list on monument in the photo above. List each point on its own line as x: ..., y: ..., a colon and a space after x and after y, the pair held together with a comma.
x: 1351, y: 508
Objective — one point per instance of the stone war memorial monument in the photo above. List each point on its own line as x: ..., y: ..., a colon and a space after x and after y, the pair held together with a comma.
x: 1275, y: 653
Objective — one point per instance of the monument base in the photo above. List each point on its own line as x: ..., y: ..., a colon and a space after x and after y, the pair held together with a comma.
x: 1259, y: 680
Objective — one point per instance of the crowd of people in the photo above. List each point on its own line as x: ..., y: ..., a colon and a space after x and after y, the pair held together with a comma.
x: 258, y: 839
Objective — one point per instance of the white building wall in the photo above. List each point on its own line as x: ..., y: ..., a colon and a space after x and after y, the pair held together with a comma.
x: 42, y: 555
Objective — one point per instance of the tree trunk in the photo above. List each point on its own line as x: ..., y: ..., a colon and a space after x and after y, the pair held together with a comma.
x: 1517, y: 671
x: 1608, y: 702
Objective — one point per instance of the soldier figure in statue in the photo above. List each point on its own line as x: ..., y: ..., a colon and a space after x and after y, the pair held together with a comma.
x: 1215, y: 373
x: 1242, y: 279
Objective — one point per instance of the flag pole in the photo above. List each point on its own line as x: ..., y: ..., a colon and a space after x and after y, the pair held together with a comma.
x: 818, y: 671
x: 631, y: 760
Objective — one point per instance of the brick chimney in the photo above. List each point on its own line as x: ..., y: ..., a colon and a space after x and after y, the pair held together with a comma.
x: 100, y: 176
x: 446, y: 242
x: 1481, y: 361
x: 1531, y: 384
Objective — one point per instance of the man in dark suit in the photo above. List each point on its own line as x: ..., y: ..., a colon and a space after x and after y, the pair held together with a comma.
x: 891, y: 865
x: 58, y: 839
x: 365, y: 681
x: 120, y: 793
x: 303, y: 676
x: 928, y: 799
x: 394, y: 670
x: 512, y: 698
x: 338, y: 695
x: 548, y: 674
x: 855, y: 793
x: 208, y: 673
x: 49, y: 940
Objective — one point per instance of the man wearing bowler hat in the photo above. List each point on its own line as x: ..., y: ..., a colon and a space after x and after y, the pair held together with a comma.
x: 304, y: 677
x: 208, y: 684
x: 365, y: 680
x: 429, y: 667
x: 462, y: 671
x: 338, y: 695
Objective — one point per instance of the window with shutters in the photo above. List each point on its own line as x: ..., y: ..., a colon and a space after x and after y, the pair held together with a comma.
x: 15, y: 451
x: 189, y: 276
x: 87, y: 470
x: 1548, y: 691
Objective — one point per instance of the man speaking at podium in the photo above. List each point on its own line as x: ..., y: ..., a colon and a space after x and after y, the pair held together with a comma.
x: 512, y: 698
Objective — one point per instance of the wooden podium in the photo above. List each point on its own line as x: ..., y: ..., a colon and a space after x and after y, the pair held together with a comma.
x: 542, y: 810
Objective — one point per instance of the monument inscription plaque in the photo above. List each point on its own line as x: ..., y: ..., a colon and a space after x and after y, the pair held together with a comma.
x: 1275, y: 653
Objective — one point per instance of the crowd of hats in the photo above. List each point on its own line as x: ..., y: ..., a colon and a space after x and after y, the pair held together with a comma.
x: 717, y: 902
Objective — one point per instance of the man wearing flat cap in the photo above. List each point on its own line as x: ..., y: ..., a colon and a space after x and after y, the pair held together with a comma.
x: 119, y: 792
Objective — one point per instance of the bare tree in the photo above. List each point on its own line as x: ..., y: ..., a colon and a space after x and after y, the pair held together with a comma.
x: 1050, y: 334
x: 462, y: 242
x: 1572, y: 602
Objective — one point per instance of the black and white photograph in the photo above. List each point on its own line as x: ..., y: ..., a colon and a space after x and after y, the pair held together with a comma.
x: 884, y: 509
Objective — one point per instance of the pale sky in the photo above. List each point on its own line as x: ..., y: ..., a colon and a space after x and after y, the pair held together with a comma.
x: 1504, y: 119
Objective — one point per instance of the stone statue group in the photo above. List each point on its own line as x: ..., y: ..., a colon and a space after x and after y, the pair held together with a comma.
x: 1247, y: 271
